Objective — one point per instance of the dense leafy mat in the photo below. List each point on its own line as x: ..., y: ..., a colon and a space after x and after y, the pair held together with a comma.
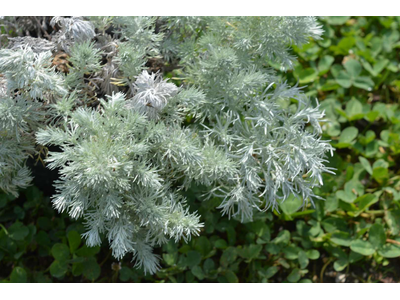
x: 352, y: 236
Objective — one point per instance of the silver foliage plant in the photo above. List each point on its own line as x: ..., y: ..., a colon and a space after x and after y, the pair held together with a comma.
x: 152, y: 93
x: 116, y: 168
x: 271, y: 130
x: 125, y: 151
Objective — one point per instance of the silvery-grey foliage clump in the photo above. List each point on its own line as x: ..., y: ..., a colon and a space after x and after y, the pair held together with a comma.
x: 17, y: 116
x: 36, y: 44
x: 73, y: 30
x: 126, y: 147
x: 25, y: 76
x: 271, y: 130
x: 117, y: 167
x: 31, y: 74
x: 152, y: 93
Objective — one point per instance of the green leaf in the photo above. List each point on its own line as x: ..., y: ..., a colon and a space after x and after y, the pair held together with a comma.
x: 377, y: 236
x: 254, y: 250
x: 125, y: 274
x: 291, y: 252
x: 250, y: 252
x: 380, y: 174
x: 74, y: 240
x: 376, y: 45
x: 340, y: 264
x: 354, y: 257
x: 312, y: 254
x: 265, y: 237
x: 86, y: 251
x: 336, y: 252
x: 332, y: 128
x: 282, y: 238
x: 220, y: 244
x: 369, y: 136
x: 348, y: 135
x: 268, y: 273
x: 366, y: 201
x: 190, y: 277
x: 332, y: 224
x: 372, y: 115
x: 336, y: 20
x: 355, y: 187
x: 363, y: 247
x: 331, y: 203
x: 341, y: 238
x: 346, y: 196
x: 231, y: 277
x: 378, y: 66
x: 18, y: 231
x: 291, y: 205
x: 60, y: 252
x: 208, y: 265
x: 363, y: 82
x: 91, y: 269
x: 193, y: 258
x: 203, y: 245
x: 393, y: 221
x: 389, y: 251
x: 368, y: 67
x: 170, y: 258
x: 329, y: 85
x: 380, y: 163
x: 77, y: 269
x: 354, y: 110
x: 344, y: 46
x: 366, y: 165
x: 307, y: 75
x: 294, y: 276
x: 303, y: 259
x: 228, y: 257
x: 344, y: 79
x: 353, y: 67
x: 272, y: 248
x: 325, y: 63
x: 198, y: 272
x: 231, y: 232
x: 260, y: 228
x: 58, y: 268
x: 18, y: 275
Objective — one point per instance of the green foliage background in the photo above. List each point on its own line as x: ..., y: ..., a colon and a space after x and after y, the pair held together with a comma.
x: 352, y: 236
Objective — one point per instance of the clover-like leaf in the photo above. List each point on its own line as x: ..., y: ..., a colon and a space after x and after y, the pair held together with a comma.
x: 74, y: 240
x: 389, y: 251
x: 18, y: 231
x: 377, y: 236
x: 363, y: 82
x: 58, y: 268
x: 366, y: 165
x: 363, y: 247
x: 354, y: 109
x: 91, y: 269
x: 18, y: 275
x: 60, y: 252
x: 347, y: 137
x: 344, y: 79
x: 353, y: 67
